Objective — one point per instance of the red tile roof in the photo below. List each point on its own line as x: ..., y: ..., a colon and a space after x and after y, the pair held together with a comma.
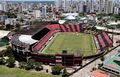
x: 99, y: 73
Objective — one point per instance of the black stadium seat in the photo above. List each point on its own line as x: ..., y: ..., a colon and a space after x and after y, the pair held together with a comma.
x: 70, y: 28
x: 40, y: 34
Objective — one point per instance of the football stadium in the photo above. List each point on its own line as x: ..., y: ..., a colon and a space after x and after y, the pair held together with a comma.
x: 65, y: 44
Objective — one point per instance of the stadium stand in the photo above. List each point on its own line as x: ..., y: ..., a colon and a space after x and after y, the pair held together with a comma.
x: 78, y: 27
x: 43, y: 40
x: 53, y: 27
x: 70, y: 28
x: 41, y: 34
x: 62, y: 28
x: 109, y: 40
x: 103, y: 40
x: 67, y: 27
x: 73, y: 27
x: 44, y: 35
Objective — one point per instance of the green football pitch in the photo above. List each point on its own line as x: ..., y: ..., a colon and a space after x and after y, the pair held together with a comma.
x: 72, y: 42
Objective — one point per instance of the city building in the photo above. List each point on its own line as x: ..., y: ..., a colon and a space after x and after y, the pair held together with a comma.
x: 108, y: 6
x: 11, y: 21
x: 37, y: 13
x: 44, y: 11
x: 116, y: 10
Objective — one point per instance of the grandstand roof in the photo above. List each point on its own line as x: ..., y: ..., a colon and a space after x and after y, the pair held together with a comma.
x: 70, y: 17
x: 27, y: 39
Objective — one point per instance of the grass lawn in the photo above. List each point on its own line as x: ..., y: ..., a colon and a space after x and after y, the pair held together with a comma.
x: 72, y: 42
x: 16, y: 72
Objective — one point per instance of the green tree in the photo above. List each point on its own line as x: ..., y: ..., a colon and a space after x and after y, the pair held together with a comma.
x: 2, y: 61
x: 94, y: 28
x: 21, y: 20
x: 9, y: 27
x: 30, y: 64
x: 1, y: 27
x: 38, y: 66
x: 65, y: 73
x: 9, y: 52
x: 22, y: 65
x: 17, y: 26
x: 5, y: 38
x: 10, y: 62
x: 56, y: 70
x: 102, y: 58
x: 11, y: 15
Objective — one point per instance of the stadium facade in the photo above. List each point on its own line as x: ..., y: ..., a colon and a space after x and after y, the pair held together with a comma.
x: 27, y: 46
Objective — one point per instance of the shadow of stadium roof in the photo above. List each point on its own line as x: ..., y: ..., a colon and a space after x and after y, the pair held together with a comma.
x: 35, y: 28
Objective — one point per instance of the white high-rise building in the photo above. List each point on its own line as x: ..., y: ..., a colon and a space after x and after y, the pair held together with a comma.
x: 80, y: 6
x: 64, y: 5
x: 91, y: 6
x: 44, y: 10
x: 1, y: 7
x: 58, y: 4
x: 105, y: 6
x: 108, y: 6
x: 100, y: 6
x: 37, y: 13
x: 24, y: 7
x: 116, y: 10
x: 4, y: 6
x: 88, y: 5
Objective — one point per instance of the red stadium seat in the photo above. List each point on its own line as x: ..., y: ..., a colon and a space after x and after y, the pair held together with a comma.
x: 101, y: 41
x: 63, y: 28
x: 68, y: 27
x: 73, y: 29
x: 107, y: 38
x: 78, y: 27
x: 44, y: 40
